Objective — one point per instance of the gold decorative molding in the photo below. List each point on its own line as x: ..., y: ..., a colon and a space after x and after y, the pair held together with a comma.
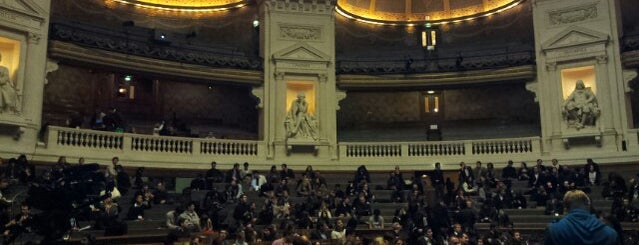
x: 184, y: 5
x: 527, y: 72
x: 72, y: 52
x: 374, y: 13
x: 324, y: 7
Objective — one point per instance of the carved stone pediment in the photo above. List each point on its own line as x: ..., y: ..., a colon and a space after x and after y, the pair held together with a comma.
x: 301, y: 56
x: 575, y: 36
x: 301, y: 52
x: 576, y: 43
x: 25, y: 12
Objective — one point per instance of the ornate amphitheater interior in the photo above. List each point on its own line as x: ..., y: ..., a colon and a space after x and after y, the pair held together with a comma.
x: 169, y: 86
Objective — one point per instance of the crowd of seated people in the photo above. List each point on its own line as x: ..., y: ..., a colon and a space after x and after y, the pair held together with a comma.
x: 298, y: 206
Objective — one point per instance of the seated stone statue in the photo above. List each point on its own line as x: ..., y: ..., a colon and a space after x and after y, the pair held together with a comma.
x: 299, y: 123
x: 581, y: 108
x: 8, y: 92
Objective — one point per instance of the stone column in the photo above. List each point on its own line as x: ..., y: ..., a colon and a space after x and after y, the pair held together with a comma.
x: 297, y: 41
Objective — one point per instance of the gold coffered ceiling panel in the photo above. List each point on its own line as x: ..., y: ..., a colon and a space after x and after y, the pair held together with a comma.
x: 410, y: 12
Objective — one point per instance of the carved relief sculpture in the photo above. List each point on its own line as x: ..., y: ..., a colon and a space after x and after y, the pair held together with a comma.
x: 296, y: 32
x: 299, y: 124
x: 581, y: 109
x: 8, y: 92
x: 571, y: 15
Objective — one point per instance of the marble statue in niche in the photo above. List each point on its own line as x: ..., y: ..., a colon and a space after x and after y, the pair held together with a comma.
x: 581, y: 109
x: 299, y: 124
x: 8, y: 92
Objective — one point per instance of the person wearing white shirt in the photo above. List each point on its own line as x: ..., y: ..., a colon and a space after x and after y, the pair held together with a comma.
x: 257, y: 181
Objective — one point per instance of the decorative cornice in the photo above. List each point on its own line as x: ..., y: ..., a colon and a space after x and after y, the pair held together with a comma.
x: 630, y: 59
x: 527, y: 72
x: 101, y: 58
x: 324, y: 7
x: 108, y: 40
x: 630, y: 43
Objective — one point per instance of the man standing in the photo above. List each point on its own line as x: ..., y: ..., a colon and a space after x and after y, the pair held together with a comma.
x: 579, y: 226
x: 214, y: 175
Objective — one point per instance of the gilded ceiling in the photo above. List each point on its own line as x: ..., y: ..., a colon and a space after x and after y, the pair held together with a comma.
x: 421, y: 11
x: 186, y: 5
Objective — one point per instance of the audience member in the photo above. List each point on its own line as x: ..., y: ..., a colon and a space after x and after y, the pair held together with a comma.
x: 524, y: 173
x: 579, y: 226
x: 136, y: 211
x: 376, y: 221
x: 509, y: 172
x: 286, y: 173
x: 235, y: 174
x: 214, y: 175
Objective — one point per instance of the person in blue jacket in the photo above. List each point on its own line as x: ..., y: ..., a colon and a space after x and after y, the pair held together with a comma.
x: 579, y: 226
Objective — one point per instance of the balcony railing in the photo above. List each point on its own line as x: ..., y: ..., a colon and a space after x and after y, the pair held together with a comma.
x: 138, y: 42
x: 442, y: 149
x: 87, y: 139
x: 136, y: 144
x: 149, y: 149
x: 483, y: 60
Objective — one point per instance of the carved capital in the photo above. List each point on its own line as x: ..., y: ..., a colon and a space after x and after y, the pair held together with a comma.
x: 551, y: 66
x: 322, y: 77
x: 602, y: 59
x: 34, y: 38
x: 340, y: 95
x: 51, y: 66
x: 258, y: 93
x: 279, y: 76
x: 533, y: 86
x: 628, y: 75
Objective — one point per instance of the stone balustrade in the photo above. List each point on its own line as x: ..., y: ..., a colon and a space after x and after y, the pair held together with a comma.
x: 443, y: 149
x: 166, y: 151
x: 99, y: 145
x: 87, y: 139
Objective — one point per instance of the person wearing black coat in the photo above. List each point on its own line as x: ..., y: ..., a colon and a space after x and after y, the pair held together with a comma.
x: 509, y: 172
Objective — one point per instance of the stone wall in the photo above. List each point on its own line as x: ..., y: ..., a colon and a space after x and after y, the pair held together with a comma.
x: 209, y: 105
x: 378, y: 107
x: 501, y: 101
x: 75, y: 92
x: 629, y: 17
x: 506, y: 101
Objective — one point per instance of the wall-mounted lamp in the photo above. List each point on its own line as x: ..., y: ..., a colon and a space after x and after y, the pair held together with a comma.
x: 429, y: 38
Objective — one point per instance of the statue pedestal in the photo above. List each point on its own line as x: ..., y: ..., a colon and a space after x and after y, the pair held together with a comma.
x: 12, y: 120
x: 584, y: 136
x: 304, y: 145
